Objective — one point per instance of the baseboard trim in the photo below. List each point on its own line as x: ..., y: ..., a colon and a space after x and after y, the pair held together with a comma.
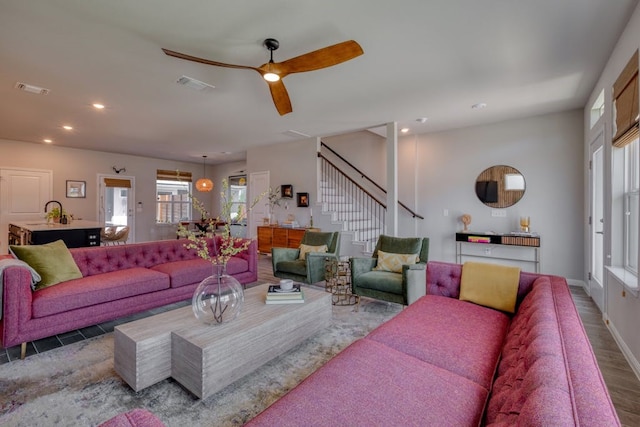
x: 626, y: 352
x: 579, y: 283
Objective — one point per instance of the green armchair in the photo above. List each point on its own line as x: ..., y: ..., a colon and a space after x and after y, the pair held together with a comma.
x: 404, y: 287
x: 287, y: 265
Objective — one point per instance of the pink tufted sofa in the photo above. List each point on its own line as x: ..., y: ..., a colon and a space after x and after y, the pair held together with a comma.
x: 446, y: 362
x: 117, y: 281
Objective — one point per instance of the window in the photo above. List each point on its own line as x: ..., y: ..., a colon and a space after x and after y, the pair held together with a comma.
x: 173, y: 203
x: 631, y: 206
x: 238, y: 198
x: 625, y: 177
x: 597, y: 109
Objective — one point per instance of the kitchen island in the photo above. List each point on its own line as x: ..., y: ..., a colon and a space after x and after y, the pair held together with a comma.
x: 79, y: 233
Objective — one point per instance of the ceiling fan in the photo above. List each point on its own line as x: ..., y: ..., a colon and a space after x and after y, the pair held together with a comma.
x: 274, y: 72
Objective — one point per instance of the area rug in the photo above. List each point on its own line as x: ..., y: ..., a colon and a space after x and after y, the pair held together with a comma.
x: 76, y: 385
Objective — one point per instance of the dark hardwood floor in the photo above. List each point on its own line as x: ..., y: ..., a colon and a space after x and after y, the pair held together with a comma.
x: 623, y: 385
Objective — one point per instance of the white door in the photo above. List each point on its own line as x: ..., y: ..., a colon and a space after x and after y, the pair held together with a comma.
x: 116, y: 202
x: 23, y: 194
x: 258, y: 184
x: 596, y: 206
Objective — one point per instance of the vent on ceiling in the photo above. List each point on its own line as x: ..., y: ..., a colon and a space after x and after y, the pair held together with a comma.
x: 31, y: 88
x: 296, y: 134
x: 194, y: 84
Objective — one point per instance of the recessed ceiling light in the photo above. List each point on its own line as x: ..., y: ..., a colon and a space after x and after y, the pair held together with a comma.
x: 67, y: 127
x: 48, y: 141
x: 479, y: 105
x: 404, y: 130
x: 98, y: 106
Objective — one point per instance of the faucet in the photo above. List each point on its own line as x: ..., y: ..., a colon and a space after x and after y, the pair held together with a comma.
x: 63, y: 219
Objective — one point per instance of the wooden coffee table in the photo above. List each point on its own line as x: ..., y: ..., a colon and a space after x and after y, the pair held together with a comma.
x: 205, y: 359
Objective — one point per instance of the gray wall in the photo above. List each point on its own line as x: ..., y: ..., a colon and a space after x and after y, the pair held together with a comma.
x: 622, y: 308
x: 291, y: 163
x: 438, y: 172
x: 85, y: 165
x: 547, y: 150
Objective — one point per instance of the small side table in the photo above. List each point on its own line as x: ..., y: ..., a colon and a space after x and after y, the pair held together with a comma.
x: 337, y: 276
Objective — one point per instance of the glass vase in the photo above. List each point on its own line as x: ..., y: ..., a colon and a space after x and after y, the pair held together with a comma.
x: 218, y: 298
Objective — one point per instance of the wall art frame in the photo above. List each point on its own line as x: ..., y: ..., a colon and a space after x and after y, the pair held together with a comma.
x: 76, y: 189
x: 286, y: 191
x: 303, y: 200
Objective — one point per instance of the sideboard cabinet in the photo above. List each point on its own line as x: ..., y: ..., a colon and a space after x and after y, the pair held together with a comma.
x: 279, y: 237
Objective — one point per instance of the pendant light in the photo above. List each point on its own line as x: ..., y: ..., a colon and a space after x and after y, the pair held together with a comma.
x: 204, y: 184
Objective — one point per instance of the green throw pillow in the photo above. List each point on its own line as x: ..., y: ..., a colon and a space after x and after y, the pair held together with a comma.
x: 52, y: 261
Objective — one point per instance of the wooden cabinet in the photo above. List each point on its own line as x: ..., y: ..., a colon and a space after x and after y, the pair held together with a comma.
x: 279, y: 237
x: 264, y: 239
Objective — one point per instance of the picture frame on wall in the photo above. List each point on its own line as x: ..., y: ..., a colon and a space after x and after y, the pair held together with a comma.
x: 303, y: 200
x: 286, y: 191
x: 76, y: 189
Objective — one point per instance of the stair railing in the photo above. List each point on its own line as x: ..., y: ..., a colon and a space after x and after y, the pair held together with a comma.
x: 354, y: 205
x: 365, y: 177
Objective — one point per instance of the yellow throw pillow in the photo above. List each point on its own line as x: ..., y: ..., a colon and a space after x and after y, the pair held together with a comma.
x: 394, y: 262
x: 490, y: 285
x: 52, y: 261
x: 305, y: 249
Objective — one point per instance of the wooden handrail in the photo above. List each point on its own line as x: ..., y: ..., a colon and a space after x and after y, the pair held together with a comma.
x: 363, y: 175
x: 360, y: 187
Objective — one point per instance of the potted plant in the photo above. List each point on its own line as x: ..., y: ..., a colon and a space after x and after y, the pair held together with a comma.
x: 274, y: 200
x: 54, y: 215
x: 219, y: 297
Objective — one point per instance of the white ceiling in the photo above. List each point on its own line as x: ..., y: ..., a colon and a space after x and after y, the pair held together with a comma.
x: 423, y: 58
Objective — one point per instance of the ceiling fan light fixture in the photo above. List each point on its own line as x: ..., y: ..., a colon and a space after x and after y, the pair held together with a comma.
x: 204, y: 184
x: 274, y: 72
x: 271, y: 45
x: 271, y: 77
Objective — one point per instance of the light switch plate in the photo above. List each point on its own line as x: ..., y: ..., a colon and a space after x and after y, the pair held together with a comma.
x: 499, y: 213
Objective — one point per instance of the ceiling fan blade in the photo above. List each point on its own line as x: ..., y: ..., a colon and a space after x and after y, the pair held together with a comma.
x: 280, y: 97
x: 207, y: 61
x: 321, y: 58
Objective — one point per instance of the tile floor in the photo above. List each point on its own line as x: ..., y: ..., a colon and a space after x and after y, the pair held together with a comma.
x: 49, y: 343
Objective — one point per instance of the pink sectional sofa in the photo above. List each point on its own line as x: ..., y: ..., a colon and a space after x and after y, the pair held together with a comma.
x: 116, y: 281
x: 443, y: 361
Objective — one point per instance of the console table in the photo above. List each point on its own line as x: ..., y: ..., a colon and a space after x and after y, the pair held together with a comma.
x: 525, y: 241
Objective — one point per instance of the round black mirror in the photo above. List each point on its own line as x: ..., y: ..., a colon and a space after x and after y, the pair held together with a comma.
x: 500, y: 186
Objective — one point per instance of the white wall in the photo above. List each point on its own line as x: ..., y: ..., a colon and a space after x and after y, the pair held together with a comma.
x: 622, y: 309
x: 85, y: 165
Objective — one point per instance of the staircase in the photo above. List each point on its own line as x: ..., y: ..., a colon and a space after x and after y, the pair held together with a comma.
x: 354, y: 203
x: 360, y: 222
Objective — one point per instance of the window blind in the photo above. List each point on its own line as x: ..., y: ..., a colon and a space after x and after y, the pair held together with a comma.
x: 117, y: 183
x: 175, y: 175
x: 625, y: 102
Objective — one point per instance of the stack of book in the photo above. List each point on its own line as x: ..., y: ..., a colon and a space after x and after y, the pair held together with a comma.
x: 275, y: 295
